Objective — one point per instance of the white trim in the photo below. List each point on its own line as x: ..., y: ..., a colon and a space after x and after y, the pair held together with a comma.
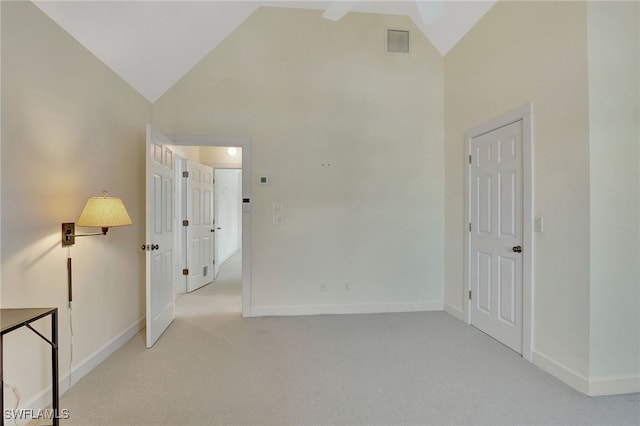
x: 454, y: 312
x: 43, y: 398
x: 614, y: 385
x: 377, y: 308
x: 561, y: 372
x: 524, y: 114
x: 592, y: 386
x: 245, y: 144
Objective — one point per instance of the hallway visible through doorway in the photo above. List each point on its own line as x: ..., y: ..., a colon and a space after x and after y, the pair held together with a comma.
x: 222, y: 296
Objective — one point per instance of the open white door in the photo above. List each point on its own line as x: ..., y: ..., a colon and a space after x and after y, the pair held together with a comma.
x: 159, y: 217
x: 200, y: 226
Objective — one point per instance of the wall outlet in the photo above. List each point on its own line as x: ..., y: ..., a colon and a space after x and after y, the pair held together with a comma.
x: 277, y: 219
x: 323, y: 287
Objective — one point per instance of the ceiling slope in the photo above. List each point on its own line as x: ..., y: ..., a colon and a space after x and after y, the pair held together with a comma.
x: 153, y: 44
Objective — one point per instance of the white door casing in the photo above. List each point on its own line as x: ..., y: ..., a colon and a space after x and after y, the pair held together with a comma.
x: 160, y: 233
x: 200, y: 229
x: 499, y: 215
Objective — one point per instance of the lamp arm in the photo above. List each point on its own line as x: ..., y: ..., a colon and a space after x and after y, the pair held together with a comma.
x: 104, y: 232
x: 68, y: 233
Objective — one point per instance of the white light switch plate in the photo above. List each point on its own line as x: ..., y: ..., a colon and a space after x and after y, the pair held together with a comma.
x: 538, y: 224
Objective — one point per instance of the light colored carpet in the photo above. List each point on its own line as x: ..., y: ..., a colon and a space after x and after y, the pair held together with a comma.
x: 382, y: 369
x: 223, y: 296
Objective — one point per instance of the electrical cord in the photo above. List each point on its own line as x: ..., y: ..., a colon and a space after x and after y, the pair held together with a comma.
x: 16, y: 392
x: 70, y: 310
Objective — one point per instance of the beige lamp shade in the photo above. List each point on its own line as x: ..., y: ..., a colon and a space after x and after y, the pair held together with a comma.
x: 104, y: 212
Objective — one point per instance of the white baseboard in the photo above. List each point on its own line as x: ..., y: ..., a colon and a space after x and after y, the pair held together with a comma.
x: 454, y: 312
x: 43, y: 398
x: 93, y: 360
x: 593, y: 386
x: 569, y: 376
x: 375, y: 308
x: 614, y: 385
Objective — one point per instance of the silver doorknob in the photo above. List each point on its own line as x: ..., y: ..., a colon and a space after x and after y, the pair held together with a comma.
x: 517, y: 249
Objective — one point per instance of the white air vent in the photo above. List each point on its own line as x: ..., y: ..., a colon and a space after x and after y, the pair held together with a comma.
x: 397, y: 41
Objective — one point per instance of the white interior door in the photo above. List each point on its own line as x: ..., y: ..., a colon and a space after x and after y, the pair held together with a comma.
x: 496, y: 213
x: 200, y: 229
x: 160, y: 253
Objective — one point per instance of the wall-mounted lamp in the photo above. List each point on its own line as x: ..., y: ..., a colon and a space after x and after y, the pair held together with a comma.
x: 102, y: 212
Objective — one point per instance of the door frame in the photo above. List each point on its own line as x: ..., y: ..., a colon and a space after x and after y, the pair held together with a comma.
x: 245, y: 144
x: 524, y: 114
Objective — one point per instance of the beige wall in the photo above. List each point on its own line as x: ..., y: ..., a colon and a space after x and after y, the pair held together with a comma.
x: 536, y: 52
x: 614, y: 121
x: 310, y: 92
x: 218, y: 157
x: 578, y: 64
x: 70, y: 128
x: 191, y: 153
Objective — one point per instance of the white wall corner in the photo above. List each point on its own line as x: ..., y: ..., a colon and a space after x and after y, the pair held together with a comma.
x: 561, y: 372
x: 377, y: 308
x: 454, y: 312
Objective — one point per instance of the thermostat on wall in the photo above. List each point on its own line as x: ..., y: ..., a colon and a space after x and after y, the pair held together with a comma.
x: 264, y: 180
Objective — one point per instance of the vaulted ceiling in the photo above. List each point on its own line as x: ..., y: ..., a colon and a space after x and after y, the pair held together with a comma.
x: 152, y: 44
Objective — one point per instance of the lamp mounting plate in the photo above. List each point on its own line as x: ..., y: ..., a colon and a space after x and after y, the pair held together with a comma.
x: 68, y: 232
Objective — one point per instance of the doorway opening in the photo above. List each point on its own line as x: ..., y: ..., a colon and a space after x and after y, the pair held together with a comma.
x: 227, y: 286
x: 209, y: 230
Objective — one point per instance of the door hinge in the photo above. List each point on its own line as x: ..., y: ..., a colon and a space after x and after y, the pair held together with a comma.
x: 185, y: 174
x: 470, y: 159
x: 469, y: 294
x: 469, y: 226
x: 185, y: 272
x: 214, y: 261
x: 213, y: 181
x: 185, y: 223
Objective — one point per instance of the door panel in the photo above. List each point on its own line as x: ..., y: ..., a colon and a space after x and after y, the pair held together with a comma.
x: 496, y: 223
x: 507, y: 200
x: 484, y: 281
x: 200, y: 232
x: 160, y: 310
x: 507, y: 290
x: 484, y: 205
